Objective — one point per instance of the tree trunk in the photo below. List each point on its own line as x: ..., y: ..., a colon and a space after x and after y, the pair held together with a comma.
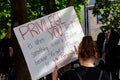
x: 19, y: 16
x: 70, y: 3
x: 50, y: 6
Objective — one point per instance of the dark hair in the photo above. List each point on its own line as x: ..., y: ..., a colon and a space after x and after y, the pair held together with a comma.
x: 87, y: 48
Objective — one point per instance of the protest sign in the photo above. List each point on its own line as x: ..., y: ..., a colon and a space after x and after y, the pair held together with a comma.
x: 49, y: 41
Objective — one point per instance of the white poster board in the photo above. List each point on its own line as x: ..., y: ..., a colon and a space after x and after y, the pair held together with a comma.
x: 49, y: 41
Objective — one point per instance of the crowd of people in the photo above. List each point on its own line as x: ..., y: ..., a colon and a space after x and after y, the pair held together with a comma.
x: 87, y: 56
x: 106, y: 48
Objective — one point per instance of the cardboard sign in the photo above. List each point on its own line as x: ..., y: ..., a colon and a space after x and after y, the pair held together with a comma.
x: 49, y: 41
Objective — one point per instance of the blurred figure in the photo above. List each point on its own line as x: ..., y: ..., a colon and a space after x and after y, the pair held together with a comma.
x: 100, y: 43
x: 7, y: 59
x: 111, y: 65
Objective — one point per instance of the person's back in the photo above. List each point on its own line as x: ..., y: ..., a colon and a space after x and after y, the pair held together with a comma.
x: 87, y: 56
x: 85, y: 73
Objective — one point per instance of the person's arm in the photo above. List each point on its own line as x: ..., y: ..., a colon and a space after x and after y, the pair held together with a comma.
x: 55, y: 73
x: 11, y: 51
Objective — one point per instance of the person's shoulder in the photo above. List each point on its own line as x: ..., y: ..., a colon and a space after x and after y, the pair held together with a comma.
x: 69, y: 75
x: 93, y: 72
x: 101, y: 33
x: 105, y: 75
x: 70, y: 72
x: 87, y: 68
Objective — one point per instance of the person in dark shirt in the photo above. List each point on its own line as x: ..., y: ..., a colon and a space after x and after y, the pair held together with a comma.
x: 111, y: 64
x: 87, y: 56
x: 100, y: 43
x: 7, y: 59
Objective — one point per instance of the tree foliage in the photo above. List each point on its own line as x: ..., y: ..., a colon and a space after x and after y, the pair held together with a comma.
x: 36, y: 9
x: 110, y: 12
x: 4, y: 17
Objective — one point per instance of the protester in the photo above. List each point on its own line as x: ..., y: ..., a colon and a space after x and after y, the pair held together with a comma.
x: 100, y: 43
x: 87, y: 55
x: 7, y: 58
x: 111, y: 64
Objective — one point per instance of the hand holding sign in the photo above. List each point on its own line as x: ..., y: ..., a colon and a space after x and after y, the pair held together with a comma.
x: 55, y: 73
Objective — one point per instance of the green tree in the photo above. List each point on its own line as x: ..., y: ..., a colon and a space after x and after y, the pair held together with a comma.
x: 110, y: 12
x: 5, y: 21
x: 49, y: 6
x: 36, y: 9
